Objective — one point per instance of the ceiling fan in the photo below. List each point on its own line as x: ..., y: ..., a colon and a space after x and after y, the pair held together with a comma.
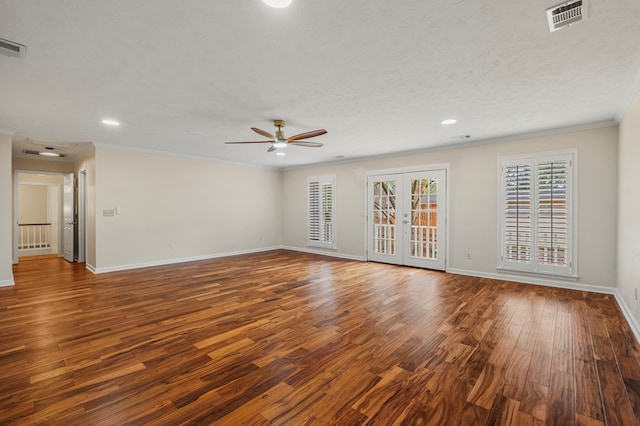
x: 279, y: 141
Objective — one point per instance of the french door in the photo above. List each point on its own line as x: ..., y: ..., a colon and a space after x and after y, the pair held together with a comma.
x: 406, y: 218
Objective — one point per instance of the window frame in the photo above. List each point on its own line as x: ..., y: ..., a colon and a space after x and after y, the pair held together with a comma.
x: 533, y: 266
x: 321, y: 241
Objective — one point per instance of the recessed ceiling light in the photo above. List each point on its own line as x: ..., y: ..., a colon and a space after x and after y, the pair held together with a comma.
x: 449, y: 121
x: 281, y: 154
x: 109, y: 122
x: 278, y: 4
x: 49, y: 154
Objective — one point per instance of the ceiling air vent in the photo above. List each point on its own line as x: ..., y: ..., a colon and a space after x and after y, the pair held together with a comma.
x: 49, y: 150
x: 566, y: 14
x: 12, y: 49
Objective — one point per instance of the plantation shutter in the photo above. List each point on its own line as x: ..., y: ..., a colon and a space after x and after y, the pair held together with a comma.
x: 517, y: 213
x: 314, y: 211
x: 553, y: 225
x: 536, y: 225
x: 321, y: 212
x: 326, y: 206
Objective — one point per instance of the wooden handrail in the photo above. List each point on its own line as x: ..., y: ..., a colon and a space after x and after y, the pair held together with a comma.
x: 33, y: 224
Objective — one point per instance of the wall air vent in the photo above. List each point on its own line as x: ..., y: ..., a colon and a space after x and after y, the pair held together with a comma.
x: 12, y: 49
x: 566, y: 14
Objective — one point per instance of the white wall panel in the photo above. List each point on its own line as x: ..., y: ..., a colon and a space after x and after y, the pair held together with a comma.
x: 174, y: 208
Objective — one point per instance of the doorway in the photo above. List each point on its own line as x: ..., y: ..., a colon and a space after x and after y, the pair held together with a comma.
x: 407, y: 218
x: 38, y: 219
x: 57, y: 233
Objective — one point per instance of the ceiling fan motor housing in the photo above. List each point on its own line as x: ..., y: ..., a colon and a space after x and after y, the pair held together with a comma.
x: 279, y: 133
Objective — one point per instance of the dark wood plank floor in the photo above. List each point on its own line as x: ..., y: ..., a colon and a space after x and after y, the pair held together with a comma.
x: 292, y: 338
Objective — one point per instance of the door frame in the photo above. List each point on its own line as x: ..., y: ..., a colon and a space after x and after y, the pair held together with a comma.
x: 69, y: 257
x: 410, y: 169
x: 82, y: 215
x: 16, y: 210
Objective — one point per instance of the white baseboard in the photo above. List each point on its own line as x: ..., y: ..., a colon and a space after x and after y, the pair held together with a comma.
x: 7, y: 283
x: 177, y: 260
x: 526, y: 279
x: 325, y: 253
x: 633, y: 324
x: 90, y: 267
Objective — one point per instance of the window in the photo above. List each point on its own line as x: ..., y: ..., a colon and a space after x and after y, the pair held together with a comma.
x: 321, y: 211
x: 536, y: 214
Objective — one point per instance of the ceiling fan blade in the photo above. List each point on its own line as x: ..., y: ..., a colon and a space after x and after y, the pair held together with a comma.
x: 307, y: 144
x: 306, y: 135
x: 249, y: 142
x: 263, y: 133
x: 271, y: 148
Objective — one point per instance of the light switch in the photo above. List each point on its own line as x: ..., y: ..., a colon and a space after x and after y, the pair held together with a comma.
x: 108, y: 212
x: 117, y: 209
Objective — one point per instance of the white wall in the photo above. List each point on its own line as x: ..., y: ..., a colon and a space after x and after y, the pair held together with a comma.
x: 175, y: 208
x: 473, y: 200
x: 6, y: 213
x: 629, y: 208
x: 33, y: 203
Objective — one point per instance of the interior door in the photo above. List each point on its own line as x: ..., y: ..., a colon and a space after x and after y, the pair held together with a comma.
x: 406, y: 219
x: 69, y: 220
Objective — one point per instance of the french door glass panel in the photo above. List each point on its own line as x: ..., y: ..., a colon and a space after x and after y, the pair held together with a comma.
x: 385, y: 217
x: 424, y: 219
x: 384, y: 193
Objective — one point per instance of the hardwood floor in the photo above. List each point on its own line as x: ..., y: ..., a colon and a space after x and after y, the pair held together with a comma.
x: 292, y: 338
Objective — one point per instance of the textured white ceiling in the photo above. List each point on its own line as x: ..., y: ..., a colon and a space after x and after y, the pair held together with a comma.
x: 186, y: 76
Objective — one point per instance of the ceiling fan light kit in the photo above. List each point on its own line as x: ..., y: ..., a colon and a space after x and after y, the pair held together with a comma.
x: 279, y: 141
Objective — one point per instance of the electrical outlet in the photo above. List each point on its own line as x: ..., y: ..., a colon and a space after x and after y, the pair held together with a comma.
x: 468, y: 255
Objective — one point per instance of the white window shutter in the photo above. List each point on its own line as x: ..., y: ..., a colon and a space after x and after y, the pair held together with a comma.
x: 314, y: 211
x: 321, y: 211
x: 537, y: 221
x: 552, y: 214
x: 326, y: 197
x: 517, y: 213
